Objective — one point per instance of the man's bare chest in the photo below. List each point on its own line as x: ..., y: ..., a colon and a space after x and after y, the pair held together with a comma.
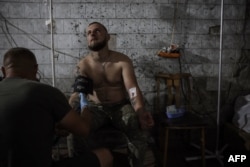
x: 106, y: 74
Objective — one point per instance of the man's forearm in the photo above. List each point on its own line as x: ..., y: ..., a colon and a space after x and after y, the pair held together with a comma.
x: 136, y: 98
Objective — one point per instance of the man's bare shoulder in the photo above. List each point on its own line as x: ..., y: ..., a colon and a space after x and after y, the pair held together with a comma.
x: 120, y: 56
x: 85, y: 59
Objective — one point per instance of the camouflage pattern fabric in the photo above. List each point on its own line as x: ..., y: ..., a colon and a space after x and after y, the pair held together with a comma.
x: 122, y: 117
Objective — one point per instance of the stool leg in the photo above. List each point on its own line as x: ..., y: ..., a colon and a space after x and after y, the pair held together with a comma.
x: 189, y: 97
x: 203, y: 147
x: 177, y: 93
x: 169, y: 84
x: 158, y: 95
x: 165, y: 148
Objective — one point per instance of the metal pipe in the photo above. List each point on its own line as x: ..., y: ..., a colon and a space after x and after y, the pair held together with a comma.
x: 52, y: 44
x: 219, y: 80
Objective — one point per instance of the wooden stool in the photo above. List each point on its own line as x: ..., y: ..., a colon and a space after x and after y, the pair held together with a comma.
x: 173, y: 84
x: 189, y: 121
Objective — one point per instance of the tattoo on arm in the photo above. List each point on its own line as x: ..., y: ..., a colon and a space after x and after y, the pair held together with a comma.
x: 77, y: 71
x: 133, y: 101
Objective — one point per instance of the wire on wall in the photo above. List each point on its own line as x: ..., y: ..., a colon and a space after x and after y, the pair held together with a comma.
x: 8, y: 34
x: 174, y: 23
x: 52, y: 44
x: 30, y: 36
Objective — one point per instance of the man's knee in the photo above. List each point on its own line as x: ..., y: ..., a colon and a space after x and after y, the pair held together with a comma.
x: 105, y: 157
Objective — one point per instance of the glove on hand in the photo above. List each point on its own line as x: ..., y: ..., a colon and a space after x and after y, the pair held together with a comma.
x: 83, y: 100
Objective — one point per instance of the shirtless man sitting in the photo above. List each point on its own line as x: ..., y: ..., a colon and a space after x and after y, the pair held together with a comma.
x: 117, y: 97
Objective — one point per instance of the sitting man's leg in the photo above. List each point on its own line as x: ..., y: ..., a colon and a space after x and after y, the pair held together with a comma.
x: 105, y: 157
x: 125, y: 118
x: 97, y: 158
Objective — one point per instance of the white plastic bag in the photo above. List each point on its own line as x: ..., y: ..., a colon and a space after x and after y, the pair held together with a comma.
x: 241, y: 117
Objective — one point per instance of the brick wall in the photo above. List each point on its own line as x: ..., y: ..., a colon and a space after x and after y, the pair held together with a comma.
x: 139, y: 28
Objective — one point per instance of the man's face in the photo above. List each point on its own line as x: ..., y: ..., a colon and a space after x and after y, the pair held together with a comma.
x: 97, y: 37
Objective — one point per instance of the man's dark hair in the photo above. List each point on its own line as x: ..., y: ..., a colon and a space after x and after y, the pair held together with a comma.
x: 95, y: 22
x: 17, y: 54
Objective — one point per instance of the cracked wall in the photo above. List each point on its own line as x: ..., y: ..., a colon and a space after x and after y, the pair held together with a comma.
x: 139, y: 29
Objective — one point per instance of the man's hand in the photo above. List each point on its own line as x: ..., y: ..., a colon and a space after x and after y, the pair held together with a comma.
x: 59, y: 131
x: 146, y: 120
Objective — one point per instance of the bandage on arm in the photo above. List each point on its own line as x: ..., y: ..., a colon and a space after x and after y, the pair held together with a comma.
x: 132, y: 95
x: 136, y: 99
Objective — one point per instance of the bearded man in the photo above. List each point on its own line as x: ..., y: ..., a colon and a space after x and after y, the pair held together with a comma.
x: 116, y: 98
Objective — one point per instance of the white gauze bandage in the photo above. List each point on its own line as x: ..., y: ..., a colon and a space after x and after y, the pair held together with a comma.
x: 132, y: 92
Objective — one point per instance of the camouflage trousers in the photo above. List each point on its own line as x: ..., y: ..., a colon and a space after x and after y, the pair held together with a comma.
x: 123, y: 118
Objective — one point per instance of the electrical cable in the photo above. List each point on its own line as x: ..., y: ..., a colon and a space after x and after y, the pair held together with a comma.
x: 7, y: 29
x: 197, y: 92
x: 174, y: 23
x: 32, y: 38
x: 10, y: 38
x: 52, y: 44
x: 6, y: 35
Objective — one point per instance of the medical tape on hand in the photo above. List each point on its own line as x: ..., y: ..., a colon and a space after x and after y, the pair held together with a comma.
x: 83, y: 100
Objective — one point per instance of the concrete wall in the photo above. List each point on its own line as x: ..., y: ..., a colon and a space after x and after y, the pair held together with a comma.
x: 139, y: 28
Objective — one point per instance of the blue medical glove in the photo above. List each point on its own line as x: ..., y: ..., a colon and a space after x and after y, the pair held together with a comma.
x: 83, y: 100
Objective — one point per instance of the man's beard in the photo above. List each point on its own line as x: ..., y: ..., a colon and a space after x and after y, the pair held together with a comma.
x: 98, y: 46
